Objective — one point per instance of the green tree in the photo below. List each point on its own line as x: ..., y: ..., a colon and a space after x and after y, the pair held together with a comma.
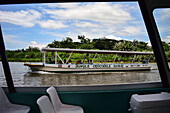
x: 67, y: 43
x: 34, y: 49
x: 83, y: 39
x: 54, y: 44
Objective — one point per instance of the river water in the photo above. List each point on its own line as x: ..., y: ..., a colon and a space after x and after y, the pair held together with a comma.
x: 23, y: 76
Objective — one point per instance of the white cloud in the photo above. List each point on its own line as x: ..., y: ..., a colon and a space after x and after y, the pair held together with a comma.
x: 35, y: 44
x: 167, y: 39
x: 13, y: 42
x: 121, y: 33
x: 56, y: 35
x: 149, y: 43
x: 51, y: 24
x: 162, y: 14
x: 97, y: 12
x: 12, y: 39
x: 86, y: 24
x: 23, y: 18
x: 113, y: 37
x: 94, y: 20
x: 98, y: 19
x: 162, y: 17
x: 64, y: 5
x: 133, y: 30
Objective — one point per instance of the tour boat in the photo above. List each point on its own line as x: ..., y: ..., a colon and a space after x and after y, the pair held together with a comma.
x: 89, y: 66
x: 98, y: 98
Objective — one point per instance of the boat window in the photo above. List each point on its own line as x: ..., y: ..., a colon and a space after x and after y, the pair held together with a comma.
x: 162, y: 19
x: 100, y: 27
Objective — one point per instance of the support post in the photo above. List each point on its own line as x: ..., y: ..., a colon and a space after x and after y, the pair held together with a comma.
x: 85, y: 57
x: 134, y: 58
x: 114, y: 59
x: 55, y: 59
x: 94, y: 57
x: 149, y: 58
x: 103, y: 58
x: 5, y: 64
x: 120, y: 58
x: 44, y: 58
x: 69, y: 57
x: 60, y: 58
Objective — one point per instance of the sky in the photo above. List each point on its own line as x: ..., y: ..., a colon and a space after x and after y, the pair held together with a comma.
x: 39, y: 24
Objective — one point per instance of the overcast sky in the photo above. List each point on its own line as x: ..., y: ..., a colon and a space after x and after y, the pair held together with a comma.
x: 39, y: 24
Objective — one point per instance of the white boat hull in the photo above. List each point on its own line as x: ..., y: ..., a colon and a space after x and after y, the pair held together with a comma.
x: 66, y: 68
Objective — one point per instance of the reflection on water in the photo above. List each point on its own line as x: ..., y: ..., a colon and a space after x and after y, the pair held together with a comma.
x: 23, y: 76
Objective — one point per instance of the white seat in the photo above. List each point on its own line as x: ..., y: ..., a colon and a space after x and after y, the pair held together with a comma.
x: 7, y: 107
x: 45, y: 105
x: 59, y: 107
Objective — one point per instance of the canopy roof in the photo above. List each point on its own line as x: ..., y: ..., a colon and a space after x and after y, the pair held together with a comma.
x: 96, y: 51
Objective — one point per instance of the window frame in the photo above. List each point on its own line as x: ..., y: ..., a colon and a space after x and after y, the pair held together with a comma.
x: 146, y: 7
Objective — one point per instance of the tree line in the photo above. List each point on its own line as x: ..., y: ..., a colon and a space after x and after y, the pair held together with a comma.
x: 101, y: 44
x: 34, y: 54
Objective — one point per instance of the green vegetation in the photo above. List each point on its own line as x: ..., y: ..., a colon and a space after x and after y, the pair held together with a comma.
x: 34, y: 54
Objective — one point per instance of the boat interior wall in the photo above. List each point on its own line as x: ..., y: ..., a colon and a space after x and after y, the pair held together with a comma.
x: 91, y: 87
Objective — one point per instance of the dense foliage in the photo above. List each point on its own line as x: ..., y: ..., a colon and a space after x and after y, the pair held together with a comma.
x: 34, y: 53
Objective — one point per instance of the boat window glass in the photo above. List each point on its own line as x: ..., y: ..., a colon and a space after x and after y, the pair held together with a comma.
x: 162, y: 18
x: 117, y: 26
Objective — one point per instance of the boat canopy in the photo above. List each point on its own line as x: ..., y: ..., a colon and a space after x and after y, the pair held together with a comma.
x: 96, y: 51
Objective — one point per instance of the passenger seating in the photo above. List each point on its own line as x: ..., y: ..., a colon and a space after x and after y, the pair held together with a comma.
x: 45, y: 105
x: 7, y: 107
x: 59, y: 107
x: 55, y: 105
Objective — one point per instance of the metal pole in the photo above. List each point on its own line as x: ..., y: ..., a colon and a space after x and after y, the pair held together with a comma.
x: 120, y: 59
x: 69, y: 57
x: 94, y: 57
x: 134, y: 58
x: 103, y: 58
x: 55, y: 59
x: 60, y: 58
x: 149, y: 58
x: 85, y: 57
x: 115, y: 58
x: 5, y: 64
x: 44, y: 58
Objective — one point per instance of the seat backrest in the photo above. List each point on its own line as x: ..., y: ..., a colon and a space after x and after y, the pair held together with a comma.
x: 3, y: 99
x: 54, y: 98
x: 45, y: 105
